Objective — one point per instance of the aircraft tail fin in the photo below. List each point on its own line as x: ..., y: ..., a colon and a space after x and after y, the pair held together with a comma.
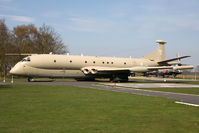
x: 159, y: 54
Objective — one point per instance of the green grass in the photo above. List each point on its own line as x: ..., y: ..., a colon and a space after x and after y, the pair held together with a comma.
x: 66, y: 109
x: 190, y: 82
x: 22, y: 79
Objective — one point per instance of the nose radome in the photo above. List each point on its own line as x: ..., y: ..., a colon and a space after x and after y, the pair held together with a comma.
x: 12, y: 71
x: 17, y: 69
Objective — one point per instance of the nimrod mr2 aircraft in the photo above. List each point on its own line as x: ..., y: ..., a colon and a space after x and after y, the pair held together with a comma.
x: 91, y: 67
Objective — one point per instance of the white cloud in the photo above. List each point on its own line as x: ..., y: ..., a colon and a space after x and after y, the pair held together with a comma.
x: 18, y: 18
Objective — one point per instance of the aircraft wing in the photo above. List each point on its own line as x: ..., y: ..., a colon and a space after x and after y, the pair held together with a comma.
x: 113, y: 70
x: 173, y: 59
x: 172, y: 67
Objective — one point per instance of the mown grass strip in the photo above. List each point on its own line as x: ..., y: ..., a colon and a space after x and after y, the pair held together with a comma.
x: 43, y: 108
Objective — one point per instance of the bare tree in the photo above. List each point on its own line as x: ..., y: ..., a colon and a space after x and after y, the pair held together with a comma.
x: 197, y: 69
x: 50, y: 41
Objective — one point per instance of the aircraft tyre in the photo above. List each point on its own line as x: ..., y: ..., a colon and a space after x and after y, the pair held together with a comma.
x: 174, y: 75
x: 30, y: 79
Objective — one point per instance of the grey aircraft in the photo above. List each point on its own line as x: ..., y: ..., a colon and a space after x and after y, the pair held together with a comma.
x: 163, y: 73
x: 91, y: 67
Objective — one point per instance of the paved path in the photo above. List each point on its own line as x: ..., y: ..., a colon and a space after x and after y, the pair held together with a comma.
x: 153, y: 85
x: 162, y: 79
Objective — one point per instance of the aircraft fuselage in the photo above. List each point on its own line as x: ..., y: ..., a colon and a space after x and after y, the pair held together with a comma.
x: 47, y: 65
x: 52, y: 65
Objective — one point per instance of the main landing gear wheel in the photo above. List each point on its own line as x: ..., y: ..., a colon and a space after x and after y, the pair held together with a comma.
x: 31, y: 80
x: 119, y: 79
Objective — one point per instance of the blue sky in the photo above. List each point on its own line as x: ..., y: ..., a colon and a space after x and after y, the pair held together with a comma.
x: 120, y: 28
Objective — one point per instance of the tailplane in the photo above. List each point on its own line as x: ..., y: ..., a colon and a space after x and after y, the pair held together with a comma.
x: 159, y: 54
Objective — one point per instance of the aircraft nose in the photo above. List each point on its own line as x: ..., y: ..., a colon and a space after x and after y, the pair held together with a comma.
x: 17, y: 69
x: 12, y: 71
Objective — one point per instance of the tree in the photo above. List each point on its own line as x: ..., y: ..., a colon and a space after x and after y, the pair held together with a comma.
x: 27, y: 39
x: 6, y: 46
x: 44, y: 40
x: 197, y: 69
x: 3, y: 41
x: 50, y: 41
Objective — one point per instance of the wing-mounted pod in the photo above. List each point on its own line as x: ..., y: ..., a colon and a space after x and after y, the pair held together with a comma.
x: 183, y: 67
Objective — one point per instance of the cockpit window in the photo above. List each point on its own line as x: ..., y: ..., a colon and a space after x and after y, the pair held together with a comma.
x: 26, y: 59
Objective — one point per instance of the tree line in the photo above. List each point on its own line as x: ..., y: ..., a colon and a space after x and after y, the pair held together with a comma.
x: 27, y: 39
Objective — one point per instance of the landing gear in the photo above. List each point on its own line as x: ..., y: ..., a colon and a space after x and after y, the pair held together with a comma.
x: 174, y: 75
x: 30, y: 79
x: 119, y: 78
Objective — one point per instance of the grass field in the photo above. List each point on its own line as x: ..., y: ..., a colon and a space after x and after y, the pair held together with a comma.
x: 22, y: 79
x: 65, y: 109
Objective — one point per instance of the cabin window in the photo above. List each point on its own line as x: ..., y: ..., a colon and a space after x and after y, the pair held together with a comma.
x: 54, y: 60
x: 70, y: 61
x: 85, y: 61
x: 107, y: 62
x: 111, y: 62
x: 124, y: 63
x: 93, y: 62
x: 103, y: 62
